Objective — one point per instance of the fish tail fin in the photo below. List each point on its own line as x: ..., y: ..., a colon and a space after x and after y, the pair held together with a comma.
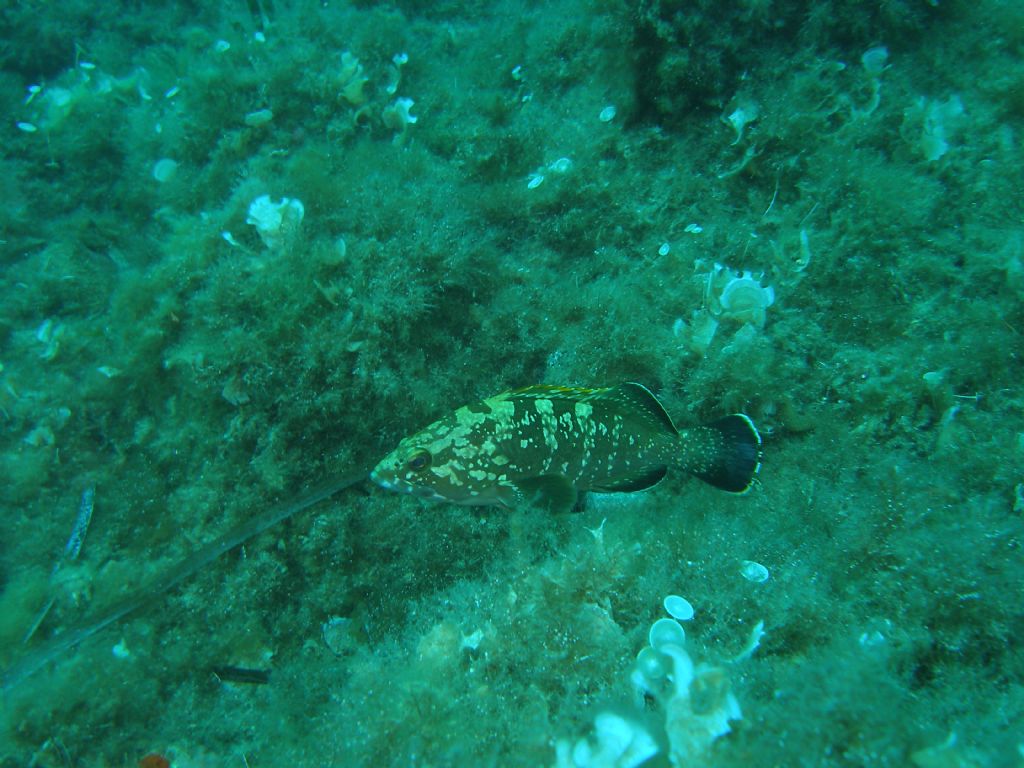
x: 735, y: 458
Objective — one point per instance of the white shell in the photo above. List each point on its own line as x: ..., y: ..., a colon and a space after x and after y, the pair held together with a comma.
x: 651, y: 664
x: 678, y: 607
x: 666, y: 632
x: 754, y: 572
x: 164, y: 168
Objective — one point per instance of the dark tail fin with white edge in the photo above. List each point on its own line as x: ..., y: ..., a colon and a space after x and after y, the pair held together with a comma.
x: 738, y: 458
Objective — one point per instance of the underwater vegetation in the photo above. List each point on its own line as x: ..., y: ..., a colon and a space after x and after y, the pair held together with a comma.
x: 249, y: 247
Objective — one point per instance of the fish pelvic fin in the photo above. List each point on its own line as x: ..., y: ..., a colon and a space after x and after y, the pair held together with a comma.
x: 552, y: 493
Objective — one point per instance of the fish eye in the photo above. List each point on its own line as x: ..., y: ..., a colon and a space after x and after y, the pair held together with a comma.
x: 419, y: 460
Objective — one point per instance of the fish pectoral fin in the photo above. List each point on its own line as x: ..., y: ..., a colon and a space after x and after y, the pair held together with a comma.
x: 554, y: 493
x: 637, y: 482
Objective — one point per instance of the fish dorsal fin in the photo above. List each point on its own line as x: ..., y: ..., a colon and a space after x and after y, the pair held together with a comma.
x: 637, y: 482
x: 553, y: 392
x: 638, y: 400
x: 628, y: 398
x: 554, y: 493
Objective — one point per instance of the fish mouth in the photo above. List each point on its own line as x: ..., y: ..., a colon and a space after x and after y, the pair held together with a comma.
x: 398, y: 486
x: 376, y: 477
x: 403, y: 486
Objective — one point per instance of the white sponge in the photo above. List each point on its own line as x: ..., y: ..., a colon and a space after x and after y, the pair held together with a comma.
x: 275, y: 222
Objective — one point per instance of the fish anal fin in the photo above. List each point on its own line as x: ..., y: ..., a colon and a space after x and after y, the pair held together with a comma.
x: 638, y: 482
x: 554, y: 493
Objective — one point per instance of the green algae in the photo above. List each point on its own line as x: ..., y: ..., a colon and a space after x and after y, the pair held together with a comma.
x: 197, y: 378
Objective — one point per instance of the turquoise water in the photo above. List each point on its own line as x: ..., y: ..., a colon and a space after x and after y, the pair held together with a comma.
x: 247, y: 250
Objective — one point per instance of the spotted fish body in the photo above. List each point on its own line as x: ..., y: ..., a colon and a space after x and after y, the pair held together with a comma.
x: 545, y: 445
